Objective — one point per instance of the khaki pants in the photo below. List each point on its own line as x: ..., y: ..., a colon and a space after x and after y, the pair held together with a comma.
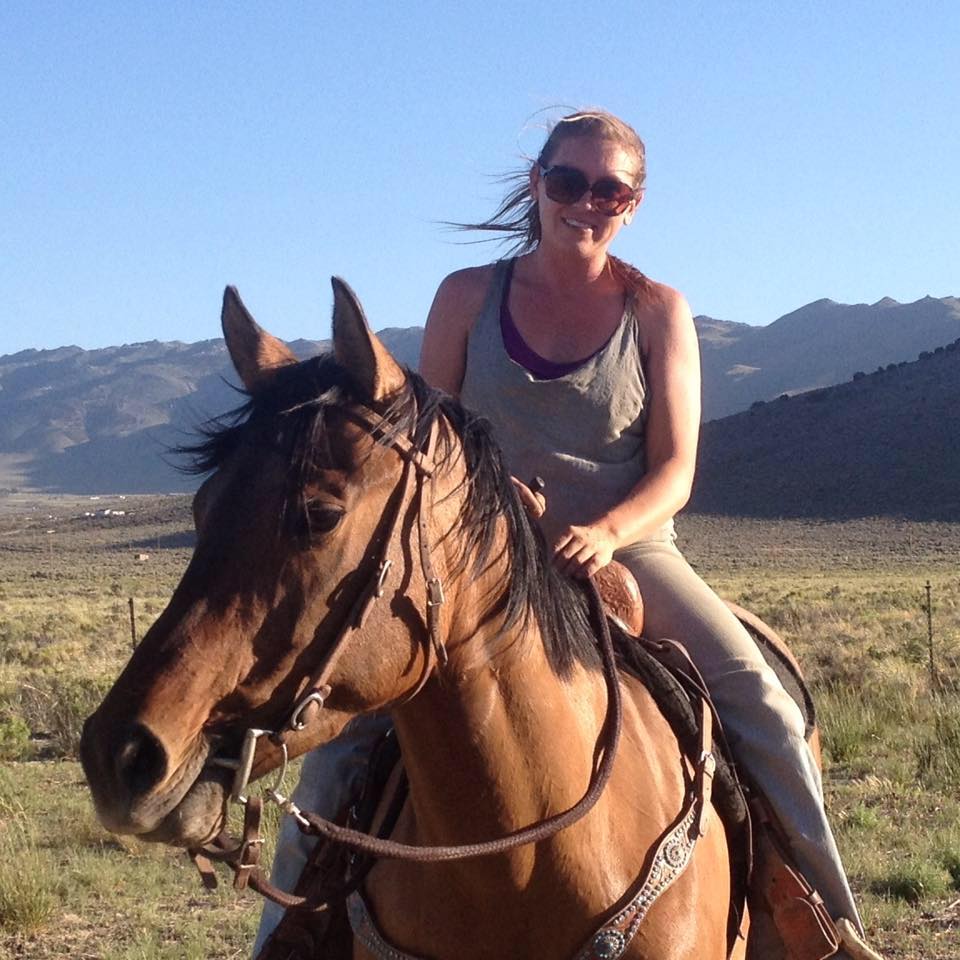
x: 763, y: 725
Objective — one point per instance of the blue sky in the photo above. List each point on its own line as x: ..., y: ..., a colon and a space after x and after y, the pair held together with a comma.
x: 150, y: 153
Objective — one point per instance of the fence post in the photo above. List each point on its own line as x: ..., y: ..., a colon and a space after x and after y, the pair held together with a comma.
x: 133, y: 625
x: 933, y: 669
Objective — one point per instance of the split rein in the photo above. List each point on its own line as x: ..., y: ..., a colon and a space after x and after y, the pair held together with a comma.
x: 243, y: 855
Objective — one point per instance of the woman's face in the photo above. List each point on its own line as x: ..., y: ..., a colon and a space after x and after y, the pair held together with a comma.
x: 579, y: 225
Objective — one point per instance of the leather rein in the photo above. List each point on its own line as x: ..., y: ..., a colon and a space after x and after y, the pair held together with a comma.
x: 243, y: 855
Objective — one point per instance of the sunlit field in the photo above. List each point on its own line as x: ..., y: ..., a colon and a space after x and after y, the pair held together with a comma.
x: 850, y: 598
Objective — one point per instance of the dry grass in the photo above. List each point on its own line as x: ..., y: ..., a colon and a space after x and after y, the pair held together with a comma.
x: 847, y: 596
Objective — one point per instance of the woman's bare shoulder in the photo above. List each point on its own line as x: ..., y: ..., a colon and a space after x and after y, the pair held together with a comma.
x: 663, y: 310
x: 458, y: 302
x: 461, y: 294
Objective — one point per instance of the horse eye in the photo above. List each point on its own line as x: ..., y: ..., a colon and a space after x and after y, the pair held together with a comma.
x: 322, y: 517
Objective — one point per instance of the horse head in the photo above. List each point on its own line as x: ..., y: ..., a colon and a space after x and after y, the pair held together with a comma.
x: 315, y: 506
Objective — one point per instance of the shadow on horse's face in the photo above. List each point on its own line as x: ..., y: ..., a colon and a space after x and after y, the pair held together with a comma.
x: 299, y: 496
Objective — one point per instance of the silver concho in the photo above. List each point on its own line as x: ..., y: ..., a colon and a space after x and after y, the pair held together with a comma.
x: 675, y: 853
x: 608, y: 944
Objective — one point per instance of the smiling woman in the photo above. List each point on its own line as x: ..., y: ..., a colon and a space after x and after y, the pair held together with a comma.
x: 589, y: 372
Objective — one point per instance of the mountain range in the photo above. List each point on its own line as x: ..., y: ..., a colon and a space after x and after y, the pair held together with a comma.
x: 818, y: 345
x: 93, y: 421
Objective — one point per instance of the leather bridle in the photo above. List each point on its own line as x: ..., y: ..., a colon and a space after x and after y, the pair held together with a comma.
x: 419, y: 469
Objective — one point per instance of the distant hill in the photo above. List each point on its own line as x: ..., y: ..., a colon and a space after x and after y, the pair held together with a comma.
x: 100, y: 421
x: 883, y: 444
x: 818, y: 345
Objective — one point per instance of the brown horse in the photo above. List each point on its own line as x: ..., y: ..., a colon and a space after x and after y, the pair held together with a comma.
x: 497, y: 694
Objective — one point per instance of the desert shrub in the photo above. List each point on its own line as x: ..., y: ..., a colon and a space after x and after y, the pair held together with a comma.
x: 27, y: 874
x: 862, y: 817
x: 14, y: 738
x: 951, y: 863
x: 938, y: 753
x: 17, y: 642
x: 56, y: 705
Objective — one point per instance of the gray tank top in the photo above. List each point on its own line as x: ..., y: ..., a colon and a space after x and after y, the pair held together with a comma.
x: 583, y: 432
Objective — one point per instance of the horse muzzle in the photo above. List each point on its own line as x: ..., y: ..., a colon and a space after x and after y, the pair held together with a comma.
x: 137, y: 790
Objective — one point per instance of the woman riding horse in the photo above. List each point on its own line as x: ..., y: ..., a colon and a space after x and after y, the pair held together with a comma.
x: 361, y: 550
x: 589, y: 372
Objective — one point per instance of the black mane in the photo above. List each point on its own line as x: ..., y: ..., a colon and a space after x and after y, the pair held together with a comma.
x: 294, y: 406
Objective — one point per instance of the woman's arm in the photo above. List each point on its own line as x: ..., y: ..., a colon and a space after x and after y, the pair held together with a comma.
x: 458, y: 301
x: 672, y: 360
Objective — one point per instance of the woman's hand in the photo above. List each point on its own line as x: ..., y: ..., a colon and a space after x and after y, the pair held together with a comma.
x: 582, y: 551
x: 535, y: 504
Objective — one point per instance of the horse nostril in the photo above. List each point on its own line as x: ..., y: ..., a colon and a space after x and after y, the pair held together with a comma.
x: 141, y: 760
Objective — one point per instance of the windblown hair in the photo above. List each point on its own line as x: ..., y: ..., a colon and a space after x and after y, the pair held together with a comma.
x: 517, y: 219
x: 292, y: 414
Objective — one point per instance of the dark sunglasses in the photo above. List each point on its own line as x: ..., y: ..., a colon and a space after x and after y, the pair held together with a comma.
x: 566, y: 185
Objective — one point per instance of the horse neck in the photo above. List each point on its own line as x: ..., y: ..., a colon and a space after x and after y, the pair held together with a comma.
x: 497, y: 739
x: 498, y: 747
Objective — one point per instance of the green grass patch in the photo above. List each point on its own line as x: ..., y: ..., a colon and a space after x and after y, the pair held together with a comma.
x: 862, y: 818
x: 28, y: 875
x: 848, y: 726
x: 15, y: 743
x: 938, y: 752
x: 913, y: 882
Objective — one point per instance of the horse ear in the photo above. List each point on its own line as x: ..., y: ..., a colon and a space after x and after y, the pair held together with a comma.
x: 359, y: 350
x: 255, y: 353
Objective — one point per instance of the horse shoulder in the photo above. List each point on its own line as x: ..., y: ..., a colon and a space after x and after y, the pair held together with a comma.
x: 651, y: 747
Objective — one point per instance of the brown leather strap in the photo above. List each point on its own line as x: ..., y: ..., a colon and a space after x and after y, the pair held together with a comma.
x: 418, y: 467
x: 434, y: 585
x: 798, y: 912
x: 204, y: 865
x: 248, y: 859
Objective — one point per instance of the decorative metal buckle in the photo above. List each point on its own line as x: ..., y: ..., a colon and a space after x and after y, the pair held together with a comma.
x: 608, y: 945
x: 435, y: 595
